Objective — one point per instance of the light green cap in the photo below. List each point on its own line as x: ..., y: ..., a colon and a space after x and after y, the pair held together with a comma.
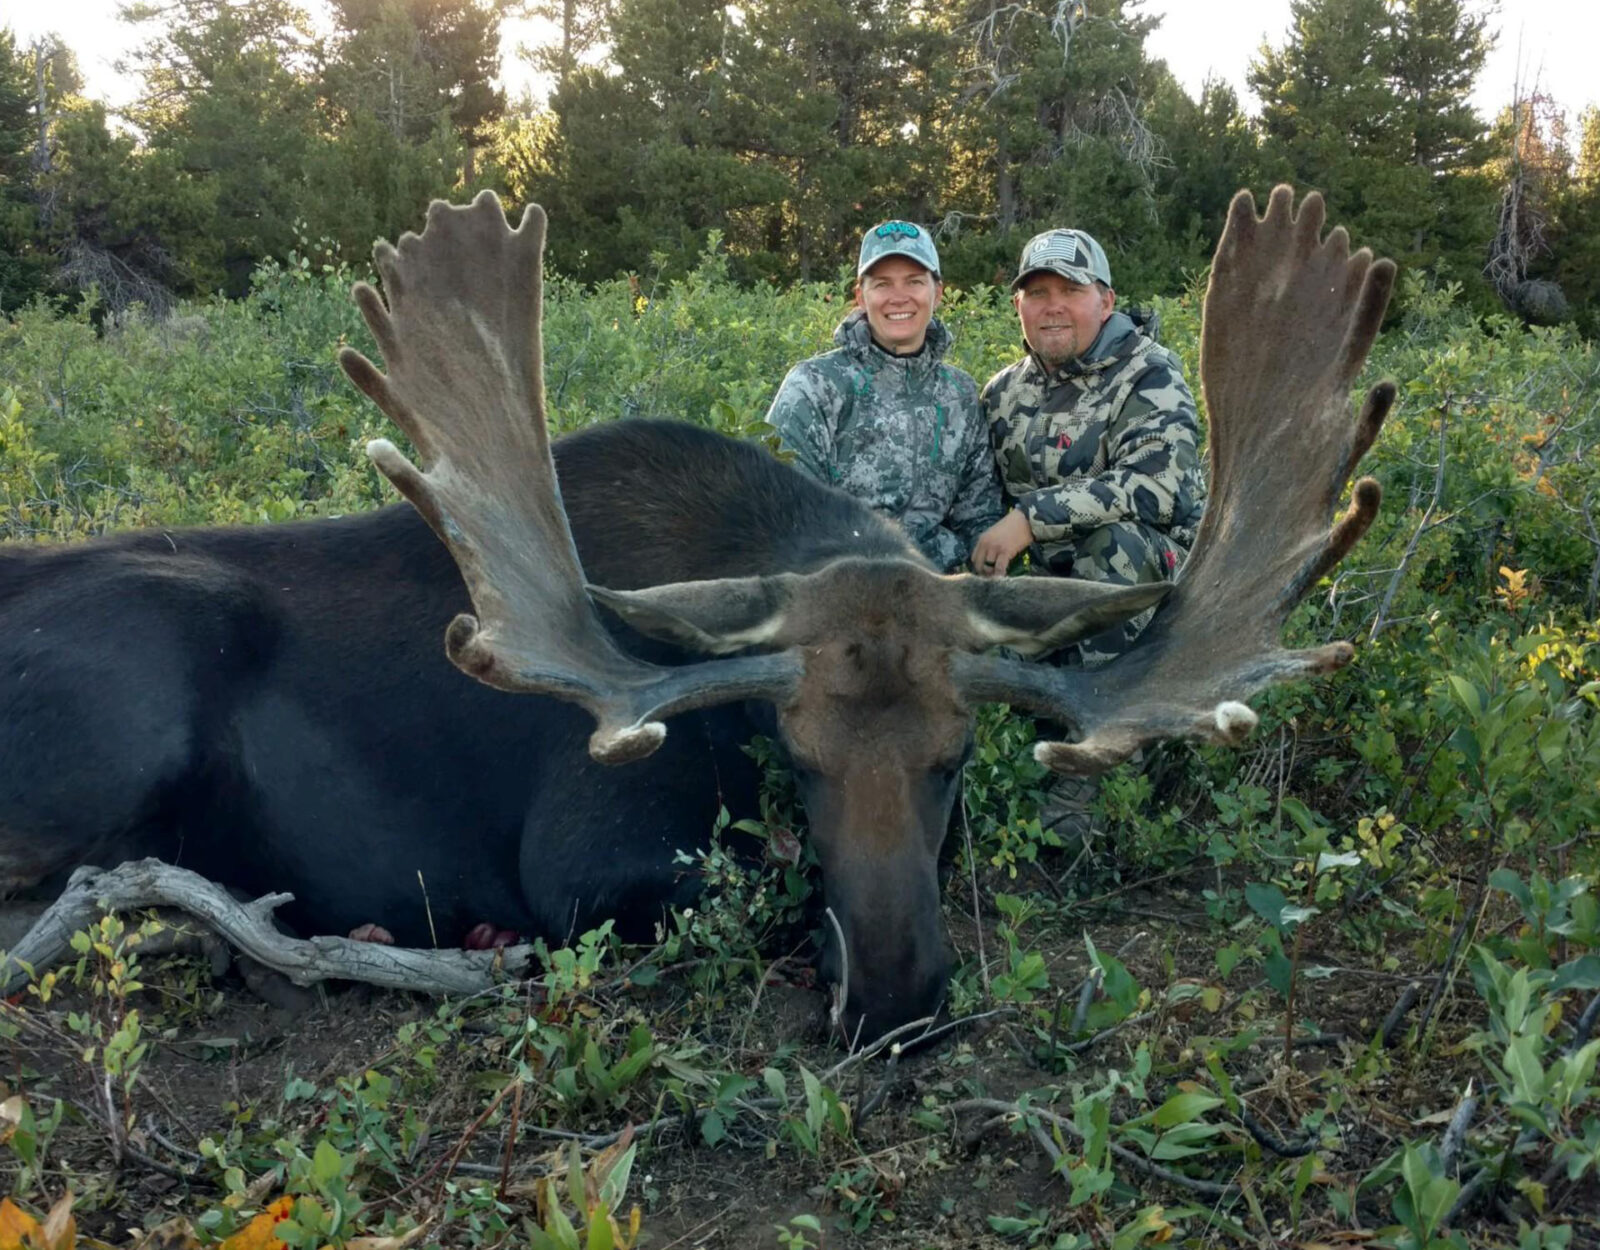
x: 898, y: 238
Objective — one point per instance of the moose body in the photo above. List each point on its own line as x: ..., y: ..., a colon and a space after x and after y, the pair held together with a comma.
x: 271, y: 706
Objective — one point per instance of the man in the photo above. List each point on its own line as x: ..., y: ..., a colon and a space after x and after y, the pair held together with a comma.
x: 1095, y: 435
x: 883, y: 417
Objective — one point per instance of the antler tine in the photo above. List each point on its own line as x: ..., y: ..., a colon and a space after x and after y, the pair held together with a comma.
x: 460, y: 335
x: 1290, y: 316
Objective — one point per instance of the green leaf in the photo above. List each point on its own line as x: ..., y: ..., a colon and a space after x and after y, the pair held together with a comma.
x: 1506, y: 880
x: 1468, y: 696
x: 1267, y: 901
x: 326, y: 1163
x: 1181, y: 1108
x: 1526, y: 1072
x: 1278, y: 970
x: 599, y: 1237
x: 1582, y: 973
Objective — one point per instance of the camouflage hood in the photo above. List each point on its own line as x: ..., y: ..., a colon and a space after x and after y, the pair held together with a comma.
x: 900, y: 433
x: 1117, y: 341
x: 854, y: 335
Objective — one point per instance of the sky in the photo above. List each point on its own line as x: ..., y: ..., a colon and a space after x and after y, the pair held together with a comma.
x: 1551, y: 40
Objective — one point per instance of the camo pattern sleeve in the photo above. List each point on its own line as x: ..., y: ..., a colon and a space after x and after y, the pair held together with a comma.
x: 977, y: 504
x: 804, y: 413
x: 1104, y: 461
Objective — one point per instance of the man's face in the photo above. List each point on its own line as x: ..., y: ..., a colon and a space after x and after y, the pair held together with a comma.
x: 1060, y: 318
x: 899, y: 297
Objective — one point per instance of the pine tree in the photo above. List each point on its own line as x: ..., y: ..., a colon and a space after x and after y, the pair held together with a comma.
x: 1052, y: 128
x: 411, y: 63
x: 1367, y: 101
x: 229, y: 97
x: 22, y: 268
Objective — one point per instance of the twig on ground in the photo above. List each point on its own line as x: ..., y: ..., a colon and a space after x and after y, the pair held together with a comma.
x: 977, y: 917
x: 1006, y: 1111
x: 892, y: 1038
x: 1086, y: 993
x: 92, y: 892
x: 509, y: 1151
x: 865, y: 1109
x: 1389, y: 1033
x: 1468, y: 923
x: 1456, y: 1132
x: 1089, y: 1043
x: 1268, y: 1141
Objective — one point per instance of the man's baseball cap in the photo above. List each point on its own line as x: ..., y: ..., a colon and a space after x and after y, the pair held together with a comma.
x: 1071, y: 253
x: 898, y: 238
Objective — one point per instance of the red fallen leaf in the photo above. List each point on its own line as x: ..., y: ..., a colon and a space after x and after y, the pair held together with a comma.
x: 784, y: 847
x: 374, y: 933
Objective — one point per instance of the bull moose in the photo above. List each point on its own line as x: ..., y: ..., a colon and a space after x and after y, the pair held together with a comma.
x: 271, y: 707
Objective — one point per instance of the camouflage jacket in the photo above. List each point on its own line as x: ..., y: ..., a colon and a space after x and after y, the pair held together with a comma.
x: 900, y: 433
x: 1111, y: 436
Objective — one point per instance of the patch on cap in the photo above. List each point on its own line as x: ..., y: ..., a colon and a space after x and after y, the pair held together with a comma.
x: 1071, y: 253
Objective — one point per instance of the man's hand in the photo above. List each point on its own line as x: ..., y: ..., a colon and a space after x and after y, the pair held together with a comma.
x: 1000, y: 544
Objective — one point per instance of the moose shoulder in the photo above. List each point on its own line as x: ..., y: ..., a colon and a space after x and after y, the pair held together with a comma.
x: 272, y: 706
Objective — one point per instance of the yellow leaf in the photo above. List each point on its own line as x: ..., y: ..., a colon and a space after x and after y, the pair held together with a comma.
x: 15, y: 1225
x: 257, y: 1234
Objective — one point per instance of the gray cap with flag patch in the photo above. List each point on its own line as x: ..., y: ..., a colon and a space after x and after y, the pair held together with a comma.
x: 1071, y: 253
x: 898, y: 238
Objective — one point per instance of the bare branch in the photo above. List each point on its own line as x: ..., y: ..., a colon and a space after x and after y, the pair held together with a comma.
x: 93, y: 892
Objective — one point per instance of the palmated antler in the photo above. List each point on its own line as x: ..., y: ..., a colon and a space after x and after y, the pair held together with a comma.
x: 460, y: 337
x: 1289, y: 318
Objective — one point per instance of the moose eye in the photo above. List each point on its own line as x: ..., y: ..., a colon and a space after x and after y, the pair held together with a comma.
x: 948, y: 770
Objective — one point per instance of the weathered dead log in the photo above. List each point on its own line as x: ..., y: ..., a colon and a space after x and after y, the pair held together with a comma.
x: 248, y: 928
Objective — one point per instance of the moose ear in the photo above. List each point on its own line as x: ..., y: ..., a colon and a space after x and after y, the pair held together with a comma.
x: 1036, y: 615
x: 715, y: 617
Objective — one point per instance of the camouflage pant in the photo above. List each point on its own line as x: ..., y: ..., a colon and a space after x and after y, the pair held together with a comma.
x: 1127, y: 553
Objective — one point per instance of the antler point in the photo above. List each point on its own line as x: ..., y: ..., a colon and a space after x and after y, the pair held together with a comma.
x: 1235, y: 721
x: 623, y: 746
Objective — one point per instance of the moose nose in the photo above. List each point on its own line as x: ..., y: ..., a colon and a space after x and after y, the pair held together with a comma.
x: 884, y: 989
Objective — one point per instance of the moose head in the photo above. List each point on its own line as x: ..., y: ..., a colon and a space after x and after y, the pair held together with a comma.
x: 874, y: 663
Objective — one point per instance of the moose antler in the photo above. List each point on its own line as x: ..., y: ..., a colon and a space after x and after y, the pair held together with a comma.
x: 460, y: 337
x: 1289, y: 318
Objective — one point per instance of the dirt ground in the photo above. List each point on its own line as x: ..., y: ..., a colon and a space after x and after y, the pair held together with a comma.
x: 222, y: 1059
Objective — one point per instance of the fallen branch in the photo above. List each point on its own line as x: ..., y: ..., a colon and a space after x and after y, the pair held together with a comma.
x: 248, y: 928
x: 1456, y: 1132
x: 1274, y: 1144
x: 1007, y: 1110
x: 1390, y: 1032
